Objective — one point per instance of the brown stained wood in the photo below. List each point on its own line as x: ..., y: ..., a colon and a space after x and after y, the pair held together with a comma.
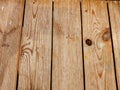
x: 67, y: 50
x: 11, y: 15
x: 98, y: 57
x: 35, y: 60
x: 114, y: 9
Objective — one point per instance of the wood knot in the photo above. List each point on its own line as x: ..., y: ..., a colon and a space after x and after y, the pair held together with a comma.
x: 106, y: 36
x: 88, y: 42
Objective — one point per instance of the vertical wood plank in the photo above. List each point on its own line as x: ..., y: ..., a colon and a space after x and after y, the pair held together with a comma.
x: 98, y: 56
x: 35, y: 61
x: 11, y: 14
x: 67, y: 50
x: 114, y: 9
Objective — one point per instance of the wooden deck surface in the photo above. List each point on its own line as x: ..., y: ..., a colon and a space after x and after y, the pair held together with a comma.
x: 59, y: 45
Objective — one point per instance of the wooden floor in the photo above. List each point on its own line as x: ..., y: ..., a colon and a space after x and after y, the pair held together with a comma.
x: 59, y: 45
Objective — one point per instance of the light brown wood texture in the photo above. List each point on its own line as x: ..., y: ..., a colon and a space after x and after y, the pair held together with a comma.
x: 67, y: 47
x: 114, y: 9
x: 35, y: 60
x: 11, y: 14
x: 98, y: 56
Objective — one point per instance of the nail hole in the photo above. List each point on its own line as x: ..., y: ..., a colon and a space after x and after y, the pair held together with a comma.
x: 88, y: 42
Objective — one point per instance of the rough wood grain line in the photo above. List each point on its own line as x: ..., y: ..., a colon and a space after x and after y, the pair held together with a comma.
x: 114, y: 9
x: 98, y: 57
x: 67, y: 46
x: 11, y: 14
x: 35, y: 61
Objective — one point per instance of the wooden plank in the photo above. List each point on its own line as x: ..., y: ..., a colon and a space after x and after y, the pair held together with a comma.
x: 11, y: 14
x: 67, y: 50
x: 98, y: 56
x: 35, y: 61
x: 114, y: 8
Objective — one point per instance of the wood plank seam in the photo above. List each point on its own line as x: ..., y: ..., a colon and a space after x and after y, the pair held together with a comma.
x: 82, y: 45
x: 114, y: 15
x: 17, y: 80
x: 112, y: 46
x: 52, y: 45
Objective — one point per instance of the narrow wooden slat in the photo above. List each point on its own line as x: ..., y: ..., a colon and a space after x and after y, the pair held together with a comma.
x: 114, y: 9
x: 11, y: 14
x: 98, y: 56
x: 35, y: 61
x: 67, y: 50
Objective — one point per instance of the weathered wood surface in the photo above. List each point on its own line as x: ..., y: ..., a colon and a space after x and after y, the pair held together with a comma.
x: 35, y: 60
x: 98, y: 56
x: 114, y: 9
x: 11, y: 14
x: 36, y: 45
x: 67, y: 47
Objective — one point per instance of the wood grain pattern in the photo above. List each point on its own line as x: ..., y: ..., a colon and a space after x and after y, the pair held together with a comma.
x: 10, y: 33
x: 114, y: 8
x: 67, y: 49
x: 11, y: 14
x: 35, y: 61
x: 98, y: 57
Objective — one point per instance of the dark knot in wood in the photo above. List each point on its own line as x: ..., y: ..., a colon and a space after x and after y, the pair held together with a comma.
x: 88, y: 42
